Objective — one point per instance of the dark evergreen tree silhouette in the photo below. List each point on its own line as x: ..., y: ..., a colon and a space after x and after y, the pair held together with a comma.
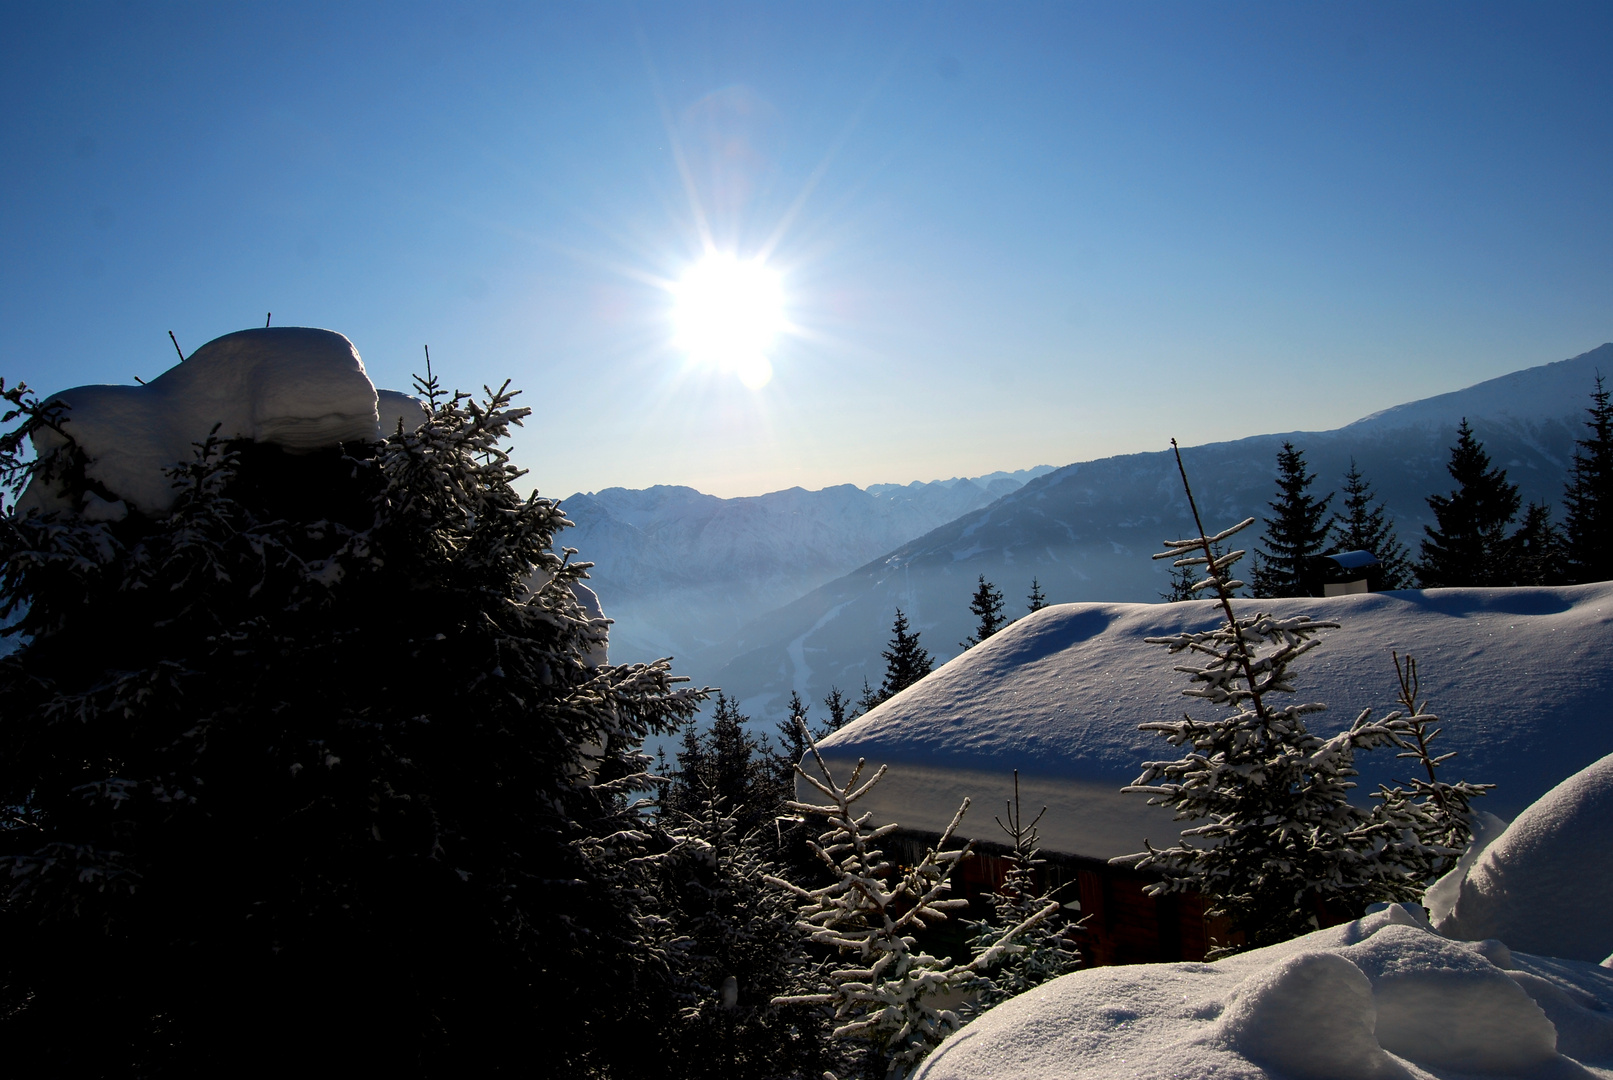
x: 726, y: 763
x: 792, y: 737
x: 1470, y: 545
x: 906, y: 661
x: 838, y: 705
x: 1181, y: 585
x: 685, y: 788
x: 735, y: 947
x: 1297, y: 530
x: 1038, y: 600
x: 987, y: 606
x: 324, y: 765
x: 1364, y: 525
x: 1588, y: 497
x: 1535, y: 551
x: 869, y: 699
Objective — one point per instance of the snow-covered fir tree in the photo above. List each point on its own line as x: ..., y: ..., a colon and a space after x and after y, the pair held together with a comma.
x: 1432, y: 818
x: 987, y: 607
x: 891, y: 998
x: 323, y: 765
x: 1364, y: 525
x: 1281, y: 843
x: 1296, y: 531
x: 1588, y: 496
x: 1040, y: 952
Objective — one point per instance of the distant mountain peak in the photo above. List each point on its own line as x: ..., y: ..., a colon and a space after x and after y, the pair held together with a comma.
x: 1531, y: 395
x: 1085, y: 532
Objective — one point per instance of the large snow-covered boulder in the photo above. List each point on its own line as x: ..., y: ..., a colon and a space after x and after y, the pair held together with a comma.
x: 1379, y: 998
x: 1521, y: 679
x: 1545, y: 885
x: 299, y: 388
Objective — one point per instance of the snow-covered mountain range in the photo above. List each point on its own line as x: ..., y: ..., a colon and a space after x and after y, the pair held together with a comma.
x: 1086, y: 531
x: 684, y: 571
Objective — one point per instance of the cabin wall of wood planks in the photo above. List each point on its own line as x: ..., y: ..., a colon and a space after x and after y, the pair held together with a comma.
x: 1120, y: 922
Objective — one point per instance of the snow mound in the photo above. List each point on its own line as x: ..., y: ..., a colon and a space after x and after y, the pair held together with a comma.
x: 296, y: 387
x: 1545, y: 885
x: 1380, y: 998
x: 1519, y: 677
x: 1310, y: 1015
x: 1444, y: 1005
x: 1440, y: 898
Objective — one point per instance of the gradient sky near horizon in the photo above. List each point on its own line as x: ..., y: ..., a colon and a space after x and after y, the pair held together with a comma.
x: 1006, y: 235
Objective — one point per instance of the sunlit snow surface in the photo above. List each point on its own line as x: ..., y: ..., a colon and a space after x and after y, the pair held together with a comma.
x: 1534, y: 886
x: 1382, y: 997
x: 1521, y: 678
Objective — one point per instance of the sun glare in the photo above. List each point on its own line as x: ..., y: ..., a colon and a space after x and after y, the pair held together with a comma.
x: 728, y: 312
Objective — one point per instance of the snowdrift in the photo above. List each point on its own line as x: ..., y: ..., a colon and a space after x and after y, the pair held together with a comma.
x: 293, y: 386
x: 1379, y: 998
x: 1382, y: 997
x: 1521, y: 678
x: 1545, y: 884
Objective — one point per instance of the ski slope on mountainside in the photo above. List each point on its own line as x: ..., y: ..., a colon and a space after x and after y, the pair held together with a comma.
x: 1521, y: 678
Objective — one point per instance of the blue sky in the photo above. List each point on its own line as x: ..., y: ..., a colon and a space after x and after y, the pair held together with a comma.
x: 1008, y: 235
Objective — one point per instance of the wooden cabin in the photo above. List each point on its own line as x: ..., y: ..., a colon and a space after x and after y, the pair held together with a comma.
x: 1059, y: 697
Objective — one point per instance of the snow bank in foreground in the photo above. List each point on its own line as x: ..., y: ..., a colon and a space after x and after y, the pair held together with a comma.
x: 1382, y: 998
x: 1520, y: 677
x: 296, y: 387
x: 1545, y: 885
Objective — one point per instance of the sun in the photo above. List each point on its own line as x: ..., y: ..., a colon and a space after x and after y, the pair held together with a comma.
x: 727, y: 313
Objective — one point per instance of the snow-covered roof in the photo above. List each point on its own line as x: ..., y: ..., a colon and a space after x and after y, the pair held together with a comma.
x: 1352, y: 560
x: 1522, y: 679
x: 300, y: 388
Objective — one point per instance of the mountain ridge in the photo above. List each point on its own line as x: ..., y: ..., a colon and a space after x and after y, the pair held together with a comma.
x: 1086, y: 531
x: 680, y: 569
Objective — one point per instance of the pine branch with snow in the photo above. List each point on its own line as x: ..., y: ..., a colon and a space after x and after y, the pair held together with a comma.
x: 1436, y: 817
x: 1281, y: 842
x: 1037, y: 951
x: 18, y: 467
x: 890, y: 995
